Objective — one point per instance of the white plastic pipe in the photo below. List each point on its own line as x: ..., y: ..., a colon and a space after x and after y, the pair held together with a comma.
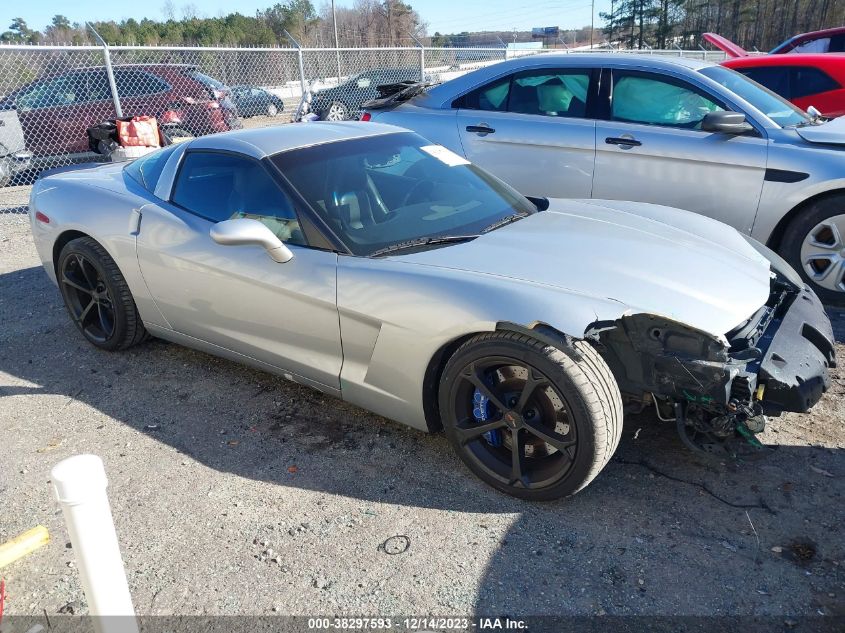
x: 80, y: 486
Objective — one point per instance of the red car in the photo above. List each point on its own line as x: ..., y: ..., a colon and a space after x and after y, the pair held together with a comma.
x: 824, y: 41
x: 805, y: 79
x: 56, y: 110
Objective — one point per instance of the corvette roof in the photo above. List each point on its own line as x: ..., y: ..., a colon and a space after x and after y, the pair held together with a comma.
x: 261, y: 142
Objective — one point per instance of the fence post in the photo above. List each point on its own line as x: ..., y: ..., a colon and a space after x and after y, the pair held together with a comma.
x: 109, y: 72
x: 301, y: 64
x: 422, y: 55
x: 79, y: 484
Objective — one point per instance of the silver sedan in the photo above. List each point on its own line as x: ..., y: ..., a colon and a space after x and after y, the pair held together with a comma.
x: 378, y: 267
x: 679, y: 132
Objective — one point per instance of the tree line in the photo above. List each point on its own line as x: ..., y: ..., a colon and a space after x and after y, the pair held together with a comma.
x: 366, y: 23
x: 760, y: 24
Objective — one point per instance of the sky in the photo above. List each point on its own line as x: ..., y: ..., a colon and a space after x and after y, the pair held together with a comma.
x: 446, y: 16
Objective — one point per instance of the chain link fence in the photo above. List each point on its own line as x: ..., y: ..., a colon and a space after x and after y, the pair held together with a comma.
x: 51, y: 95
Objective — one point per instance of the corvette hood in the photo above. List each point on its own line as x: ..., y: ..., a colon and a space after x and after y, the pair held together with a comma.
x: 831, y: 132
x: 649, y: 258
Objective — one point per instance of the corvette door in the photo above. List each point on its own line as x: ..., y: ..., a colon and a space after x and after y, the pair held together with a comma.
x: 530, y: 129
x: 236, y: 297
x: 652, y: 150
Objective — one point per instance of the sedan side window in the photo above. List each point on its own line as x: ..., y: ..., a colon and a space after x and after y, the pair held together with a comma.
x: 656, y: 100
x: 219, y: 187
x: 493, y: 96
x: 550, y: 93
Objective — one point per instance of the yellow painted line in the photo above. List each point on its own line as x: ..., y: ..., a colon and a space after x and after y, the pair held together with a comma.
x: 20, y: 546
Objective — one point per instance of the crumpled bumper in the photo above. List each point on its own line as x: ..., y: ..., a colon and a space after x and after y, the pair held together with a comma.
x: 799, y: 352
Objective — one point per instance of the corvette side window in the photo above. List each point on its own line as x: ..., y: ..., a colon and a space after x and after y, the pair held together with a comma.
x: 656, y: 100
x: 147, y: 170
x: 224, y: 187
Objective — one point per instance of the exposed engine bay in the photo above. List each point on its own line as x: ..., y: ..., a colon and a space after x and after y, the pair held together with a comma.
x: 720, y: 392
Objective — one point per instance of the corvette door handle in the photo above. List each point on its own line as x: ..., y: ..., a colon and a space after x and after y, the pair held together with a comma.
x: 480, y: 129
x: 616, y: 140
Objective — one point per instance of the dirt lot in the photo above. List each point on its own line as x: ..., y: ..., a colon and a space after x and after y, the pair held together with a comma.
x: 236, y: 492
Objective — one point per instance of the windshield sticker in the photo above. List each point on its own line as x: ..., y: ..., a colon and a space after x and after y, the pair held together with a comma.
x: 445, y: 156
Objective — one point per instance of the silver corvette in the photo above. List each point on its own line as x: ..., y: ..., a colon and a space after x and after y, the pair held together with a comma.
x: 375, y: 266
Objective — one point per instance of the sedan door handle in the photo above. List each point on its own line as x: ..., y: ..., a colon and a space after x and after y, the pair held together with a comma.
x: 617, y: 140
x: 480, y: 129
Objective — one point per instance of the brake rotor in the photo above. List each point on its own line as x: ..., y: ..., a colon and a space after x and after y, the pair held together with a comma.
x: 547, y: 407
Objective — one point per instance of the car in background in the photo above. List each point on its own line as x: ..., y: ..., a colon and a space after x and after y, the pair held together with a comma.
x: 14, y: 157
x: 375, y: 266
x: 677, y: 132
x: 254, y: 101
x: 55, y: 111
x: 824, y: 41
x: 807, y: 80
x: 343, y: 102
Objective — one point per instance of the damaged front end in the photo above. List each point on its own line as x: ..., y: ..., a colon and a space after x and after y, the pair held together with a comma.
x: 719, y: 391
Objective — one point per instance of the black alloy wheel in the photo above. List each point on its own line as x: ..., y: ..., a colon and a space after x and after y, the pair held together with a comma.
x: 534, y: 420
x: 97, y: 296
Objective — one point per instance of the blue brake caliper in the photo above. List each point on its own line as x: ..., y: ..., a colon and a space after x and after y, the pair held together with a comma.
x: 481, y: 411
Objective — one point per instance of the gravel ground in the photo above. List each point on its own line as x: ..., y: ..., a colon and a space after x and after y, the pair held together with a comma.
x: 235, y: 492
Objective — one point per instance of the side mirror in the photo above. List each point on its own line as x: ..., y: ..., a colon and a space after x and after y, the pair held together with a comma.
x: 726, y: 123
x: 243, y: 231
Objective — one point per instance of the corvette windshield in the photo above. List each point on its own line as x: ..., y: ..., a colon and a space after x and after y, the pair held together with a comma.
x: 772, y: 105
x: 383, y: 191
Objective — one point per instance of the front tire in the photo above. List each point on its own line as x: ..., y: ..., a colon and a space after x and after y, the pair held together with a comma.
x: 97, y: 297
x: 814, y: 244
x: 534, y: 421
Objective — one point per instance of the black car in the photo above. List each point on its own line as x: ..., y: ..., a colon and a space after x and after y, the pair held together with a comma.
x: 344, y: 101
x: 252, y: 101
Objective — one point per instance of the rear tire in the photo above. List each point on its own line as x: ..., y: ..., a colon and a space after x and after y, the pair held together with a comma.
x: 337, y: 111
x: 814, y: 244
x: 97, y: 297
x: 561, y: 401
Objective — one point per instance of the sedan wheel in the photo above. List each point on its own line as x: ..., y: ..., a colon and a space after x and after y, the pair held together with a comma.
x: 535, y: 421
x: 272, y: 110
x: 337, y: 112
x: 823, y: 253
x: 97, y: 297
x: 814, y: 244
